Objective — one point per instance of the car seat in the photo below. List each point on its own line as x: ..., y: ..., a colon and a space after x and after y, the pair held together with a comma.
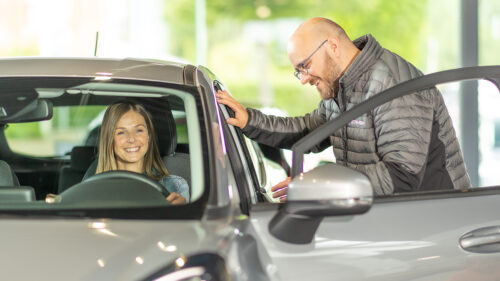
x: 81, y: 158
x: 7, y: 175
x: 10, y: 190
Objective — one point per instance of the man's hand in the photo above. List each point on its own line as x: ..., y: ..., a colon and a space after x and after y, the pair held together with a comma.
x: 176, y: 199
x: 279, y: 190
x: 240, y: 113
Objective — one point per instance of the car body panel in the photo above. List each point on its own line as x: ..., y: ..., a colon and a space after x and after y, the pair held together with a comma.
x: 216, y: 135
x: 149, y: 70
x: 83, y: 249
x: 400, y: 240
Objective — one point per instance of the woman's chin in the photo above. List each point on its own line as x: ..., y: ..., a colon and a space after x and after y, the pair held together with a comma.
x: 130, y: 160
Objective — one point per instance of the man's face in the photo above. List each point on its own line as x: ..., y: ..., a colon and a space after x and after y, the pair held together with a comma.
x: 316, y: 67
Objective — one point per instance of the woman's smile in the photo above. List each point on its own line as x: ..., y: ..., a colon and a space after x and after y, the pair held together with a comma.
x: 132, y: 149
x: 131, y: 141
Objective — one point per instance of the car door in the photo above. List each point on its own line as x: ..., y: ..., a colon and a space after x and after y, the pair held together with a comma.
x: 431, y: 235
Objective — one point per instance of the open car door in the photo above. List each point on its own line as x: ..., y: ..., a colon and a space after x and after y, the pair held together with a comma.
x: 333, y: 228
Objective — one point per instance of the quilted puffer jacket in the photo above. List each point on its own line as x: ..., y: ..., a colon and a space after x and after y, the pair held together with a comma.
x: 407, y: 144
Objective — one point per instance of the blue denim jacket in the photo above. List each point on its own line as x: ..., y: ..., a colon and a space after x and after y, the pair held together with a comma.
x: 177, y: 184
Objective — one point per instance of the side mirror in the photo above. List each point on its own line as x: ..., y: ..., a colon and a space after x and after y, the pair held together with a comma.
x: 328, y: 190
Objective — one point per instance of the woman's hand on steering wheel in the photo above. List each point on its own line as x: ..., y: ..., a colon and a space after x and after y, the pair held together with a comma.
x: 176, y: 199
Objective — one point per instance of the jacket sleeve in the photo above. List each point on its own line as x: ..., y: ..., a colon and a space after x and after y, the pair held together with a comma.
x: 283, y: 132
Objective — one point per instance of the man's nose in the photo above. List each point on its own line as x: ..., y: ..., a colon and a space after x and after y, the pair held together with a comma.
x: 305, y: 78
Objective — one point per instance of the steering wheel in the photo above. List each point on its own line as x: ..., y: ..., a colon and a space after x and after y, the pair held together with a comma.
x: 116, y: 186
x: 130, y: 175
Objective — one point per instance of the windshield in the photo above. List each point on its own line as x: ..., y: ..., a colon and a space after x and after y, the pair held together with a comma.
x: 92, y: 146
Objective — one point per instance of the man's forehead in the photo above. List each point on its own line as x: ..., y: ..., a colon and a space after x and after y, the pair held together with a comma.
x: 300, y: 49
x: 298, y: 45
x: 294, y: 55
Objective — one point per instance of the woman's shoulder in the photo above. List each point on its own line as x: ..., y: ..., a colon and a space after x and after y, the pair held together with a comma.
x: 166, y: 178
x: 173, y: 178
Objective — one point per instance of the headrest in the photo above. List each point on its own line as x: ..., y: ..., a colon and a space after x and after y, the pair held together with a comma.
x: 7, y: 176
x: 164, y: 124
x: 93, y: 137
x: 82, y: 157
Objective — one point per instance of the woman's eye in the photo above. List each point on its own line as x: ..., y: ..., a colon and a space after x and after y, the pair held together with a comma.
x: 120, y: 133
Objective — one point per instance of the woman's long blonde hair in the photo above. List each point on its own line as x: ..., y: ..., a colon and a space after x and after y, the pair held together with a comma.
x: 107, y: 159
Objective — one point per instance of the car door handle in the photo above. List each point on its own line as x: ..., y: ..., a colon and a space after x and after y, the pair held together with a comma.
x: 482, y: 240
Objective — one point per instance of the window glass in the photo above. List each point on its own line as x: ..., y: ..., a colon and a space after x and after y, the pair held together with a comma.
x: 497, y: 134
x: 489, y: 98
x: 268, y: 171
x: 49, y: 154
x: 489, y: 133
x: 256, y: 160
x: 489, y: 138
x: 181, y: 126
x: 69, y: 126
x: 239, y: 167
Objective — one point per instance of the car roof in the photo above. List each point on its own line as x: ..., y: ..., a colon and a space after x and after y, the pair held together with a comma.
x: 105, y: 68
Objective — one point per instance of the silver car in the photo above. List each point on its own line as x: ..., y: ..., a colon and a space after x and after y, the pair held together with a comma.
x: 61, y: 222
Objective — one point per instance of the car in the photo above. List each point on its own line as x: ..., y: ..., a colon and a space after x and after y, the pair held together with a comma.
x: 60, y: 222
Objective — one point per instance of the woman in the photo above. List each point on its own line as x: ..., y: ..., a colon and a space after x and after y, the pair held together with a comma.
x: 128, y: 142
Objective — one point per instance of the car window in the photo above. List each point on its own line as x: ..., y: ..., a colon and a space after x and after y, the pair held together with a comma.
x: 260, y: 173
x: 239, y: 153
x: 268, y: 172
x: 181, y: 127
x: 70, y: 126
x: 52, y: 141
x: 257, y: 161
x: 450, y: 171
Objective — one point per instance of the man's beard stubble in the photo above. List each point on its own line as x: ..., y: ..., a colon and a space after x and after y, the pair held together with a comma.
x: 332, y: 82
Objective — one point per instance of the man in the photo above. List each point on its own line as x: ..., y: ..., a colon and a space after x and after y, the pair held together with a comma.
x: 407, y: 144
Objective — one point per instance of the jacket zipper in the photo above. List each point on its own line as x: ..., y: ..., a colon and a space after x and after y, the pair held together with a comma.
x: 342, y: 102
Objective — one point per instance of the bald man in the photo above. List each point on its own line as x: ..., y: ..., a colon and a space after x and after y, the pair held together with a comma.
x: 407, y: 144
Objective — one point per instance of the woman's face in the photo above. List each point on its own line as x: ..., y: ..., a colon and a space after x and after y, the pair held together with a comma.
x: 131, y: 139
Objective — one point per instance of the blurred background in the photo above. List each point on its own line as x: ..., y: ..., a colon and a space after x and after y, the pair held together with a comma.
x: 244, y: 43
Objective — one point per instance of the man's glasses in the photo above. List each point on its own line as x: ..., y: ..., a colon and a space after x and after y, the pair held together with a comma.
x: 300, y: 70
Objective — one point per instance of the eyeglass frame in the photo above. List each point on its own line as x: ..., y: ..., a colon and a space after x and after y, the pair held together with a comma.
x: 300, y: 69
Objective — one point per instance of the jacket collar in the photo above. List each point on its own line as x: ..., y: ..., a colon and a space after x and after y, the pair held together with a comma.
x: 370, y: 53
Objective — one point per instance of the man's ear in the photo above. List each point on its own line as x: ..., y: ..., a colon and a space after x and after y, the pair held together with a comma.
x: 333, y: 45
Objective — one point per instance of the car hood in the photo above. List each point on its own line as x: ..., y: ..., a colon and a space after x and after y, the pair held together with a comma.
x: 84, y: 249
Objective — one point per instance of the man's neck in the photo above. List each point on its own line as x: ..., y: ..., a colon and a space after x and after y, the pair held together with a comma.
x: 351, y: 55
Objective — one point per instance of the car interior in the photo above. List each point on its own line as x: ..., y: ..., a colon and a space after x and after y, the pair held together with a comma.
x: 56, y: 162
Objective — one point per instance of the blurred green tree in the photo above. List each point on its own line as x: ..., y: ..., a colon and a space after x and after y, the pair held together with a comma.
x: 399, y: 26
